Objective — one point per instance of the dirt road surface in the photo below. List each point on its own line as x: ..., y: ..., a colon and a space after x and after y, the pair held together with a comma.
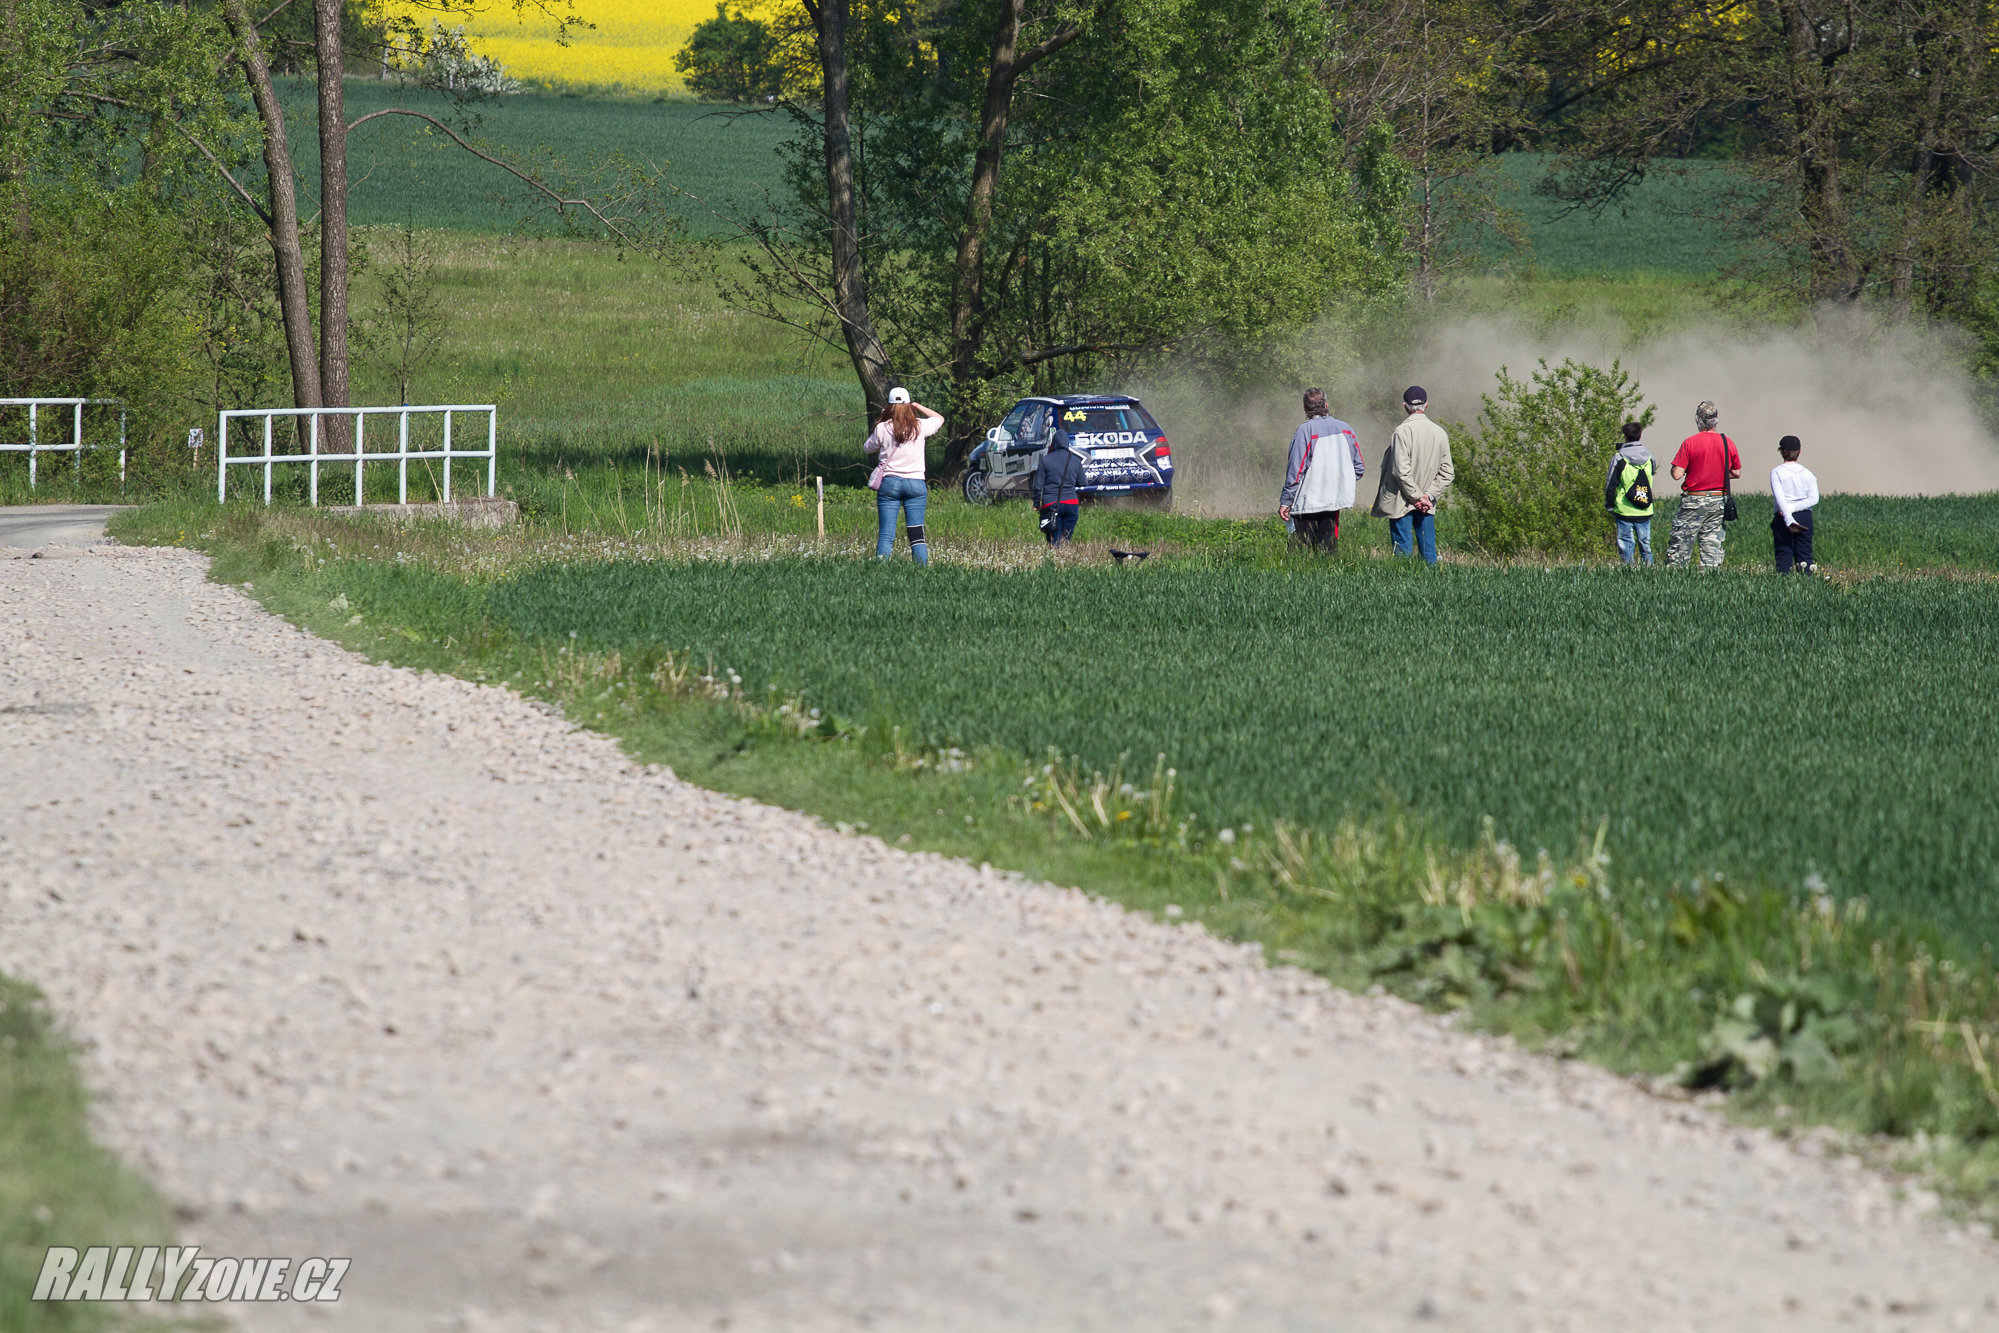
x: 399, y: 968
x: 32, y: 527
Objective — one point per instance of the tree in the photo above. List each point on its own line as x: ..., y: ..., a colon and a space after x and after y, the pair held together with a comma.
x: 410, y: 329
x: 1028, y: 195
x: 430, y: 58
x: 1445, y: 78
x: 732, y: 58
x: 1868, y: 125
x: 849, y: 304
x: 100, y: 288
x: 1533, y: 471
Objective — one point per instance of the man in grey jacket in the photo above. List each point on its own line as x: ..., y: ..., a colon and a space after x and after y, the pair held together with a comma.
x: 1056, y: 488
x: 1414, y: 472
x: 1319, y: 476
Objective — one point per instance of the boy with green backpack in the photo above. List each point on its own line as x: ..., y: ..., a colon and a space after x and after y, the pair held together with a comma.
x: 1628, y: 495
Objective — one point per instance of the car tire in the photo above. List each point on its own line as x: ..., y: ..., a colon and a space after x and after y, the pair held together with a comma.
x: 1159, y: 501
x: 977, y: 489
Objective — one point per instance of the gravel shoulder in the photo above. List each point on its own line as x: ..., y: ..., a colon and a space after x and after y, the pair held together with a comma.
x: 403, y: 968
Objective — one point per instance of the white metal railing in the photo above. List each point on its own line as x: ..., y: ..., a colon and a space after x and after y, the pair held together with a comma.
x: 34, y: 446
x: 361, y: 456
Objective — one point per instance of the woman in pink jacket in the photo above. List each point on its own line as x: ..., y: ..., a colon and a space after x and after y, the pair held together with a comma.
x: 899, y: 439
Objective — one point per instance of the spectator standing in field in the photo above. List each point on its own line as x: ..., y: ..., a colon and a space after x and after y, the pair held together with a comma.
x: 899, y: 475
x: 1320, y: 475
x: 1704, y: 466
x: 1056, y: 489
x: 1795, y: 493
x: 1414, y: 472
x: 1628, y: 495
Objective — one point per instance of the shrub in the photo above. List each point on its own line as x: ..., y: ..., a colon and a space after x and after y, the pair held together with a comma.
x: 96, y: 290
x: 1534, y: 470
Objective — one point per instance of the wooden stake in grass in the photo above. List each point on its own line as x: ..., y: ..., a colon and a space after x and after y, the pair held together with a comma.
x: 821, y: 482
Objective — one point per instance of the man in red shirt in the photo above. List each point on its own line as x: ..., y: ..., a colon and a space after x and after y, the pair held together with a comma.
x: 1707, y: 459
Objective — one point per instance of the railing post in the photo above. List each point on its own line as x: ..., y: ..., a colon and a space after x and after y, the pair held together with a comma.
x: 403, y: 462
x: 76, y: 429
x: 447, y: 455
x: 33, y: 439
x: 492, y: 450
x: 267, y: 460
x: 313, y: 499
x: 221, y: 458
x: 121, y: 450
x: 360, y: 455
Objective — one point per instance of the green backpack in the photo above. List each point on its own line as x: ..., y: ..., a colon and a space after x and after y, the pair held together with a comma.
x: 1635, y: 499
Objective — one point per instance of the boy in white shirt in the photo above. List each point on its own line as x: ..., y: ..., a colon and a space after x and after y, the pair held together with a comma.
x: 1795, y: 492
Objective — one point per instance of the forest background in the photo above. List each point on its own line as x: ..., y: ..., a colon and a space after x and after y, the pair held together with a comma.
x: 985, y: 198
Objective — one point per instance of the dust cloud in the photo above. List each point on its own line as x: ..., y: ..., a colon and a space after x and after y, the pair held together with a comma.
x: 1880, y: 411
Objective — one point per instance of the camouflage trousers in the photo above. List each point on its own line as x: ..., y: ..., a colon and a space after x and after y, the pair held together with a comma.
x: 1698, y: 520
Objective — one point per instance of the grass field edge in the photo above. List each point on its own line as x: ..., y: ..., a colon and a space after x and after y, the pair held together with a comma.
x: 981, y: 808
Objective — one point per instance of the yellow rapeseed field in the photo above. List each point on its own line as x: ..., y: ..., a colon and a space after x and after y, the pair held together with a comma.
x: 631, y: 46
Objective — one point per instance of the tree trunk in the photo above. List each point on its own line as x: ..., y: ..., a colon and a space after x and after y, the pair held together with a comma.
x: 1426, y: 237
x: 850, y: 286
x: 1924, y: 176
x: 1816, y: 126
x: 283, y: 221
x: 968, y: 303
x: 331, y: 62
x: 968, y: 283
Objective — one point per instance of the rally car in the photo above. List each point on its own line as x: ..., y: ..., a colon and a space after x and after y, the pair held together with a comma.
x: 1123, y: 450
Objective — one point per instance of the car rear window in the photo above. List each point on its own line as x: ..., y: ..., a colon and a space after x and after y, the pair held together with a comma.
x: 1114, y: 419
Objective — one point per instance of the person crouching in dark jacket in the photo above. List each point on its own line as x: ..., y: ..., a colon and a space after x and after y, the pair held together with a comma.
x: 1055, y: 489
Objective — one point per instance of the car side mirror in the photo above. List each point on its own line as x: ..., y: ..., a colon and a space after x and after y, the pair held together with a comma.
x: 993, y: 434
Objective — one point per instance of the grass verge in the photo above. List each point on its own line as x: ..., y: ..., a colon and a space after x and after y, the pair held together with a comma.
x: 57, y: 1187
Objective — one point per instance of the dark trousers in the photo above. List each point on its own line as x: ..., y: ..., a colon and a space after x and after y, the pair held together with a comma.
x: 1793, y: 548
x: 1058, y: 523
x: 1321, y: 532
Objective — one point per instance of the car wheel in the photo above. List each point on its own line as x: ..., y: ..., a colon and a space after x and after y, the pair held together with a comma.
x: 1160, y: 500
x: 978, y: 490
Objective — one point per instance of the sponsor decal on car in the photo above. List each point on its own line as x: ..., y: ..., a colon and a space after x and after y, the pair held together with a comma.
x: 1105, y: 438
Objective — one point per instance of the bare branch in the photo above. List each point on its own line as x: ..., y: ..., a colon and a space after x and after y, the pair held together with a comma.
x: 616, y: 227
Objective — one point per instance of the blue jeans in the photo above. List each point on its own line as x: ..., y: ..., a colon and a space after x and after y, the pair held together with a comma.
x: 1414, y: 531
x: 907, y: 497
x: 1634, y: 534
x: 1058, y: 523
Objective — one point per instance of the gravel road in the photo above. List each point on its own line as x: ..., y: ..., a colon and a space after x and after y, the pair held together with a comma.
x: 27, y: 527
x: 396, y: 967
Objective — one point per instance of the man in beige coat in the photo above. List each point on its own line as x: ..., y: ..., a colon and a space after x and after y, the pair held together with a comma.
x: 1414, y: 472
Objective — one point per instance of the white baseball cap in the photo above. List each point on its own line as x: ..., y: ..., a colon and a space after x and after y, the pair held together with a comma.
x: 898, y: 395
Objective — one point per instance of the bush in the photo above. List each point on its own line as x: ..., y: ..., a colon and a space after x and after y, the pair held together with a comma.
x: 96, y: 292
x: 1534, y: 470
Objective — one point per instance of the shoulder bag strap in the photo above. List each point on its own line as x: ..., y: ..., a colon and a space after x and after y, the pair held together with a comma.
x: 1728, y: 511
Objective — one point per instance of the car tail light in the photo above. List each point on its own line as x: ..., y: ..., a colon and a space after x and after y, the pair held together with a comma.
x: 1160, y: 450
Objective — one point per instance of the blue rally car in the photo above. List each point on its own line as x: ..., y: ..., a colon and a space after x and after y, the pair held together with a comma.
x: 1123, y: 450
